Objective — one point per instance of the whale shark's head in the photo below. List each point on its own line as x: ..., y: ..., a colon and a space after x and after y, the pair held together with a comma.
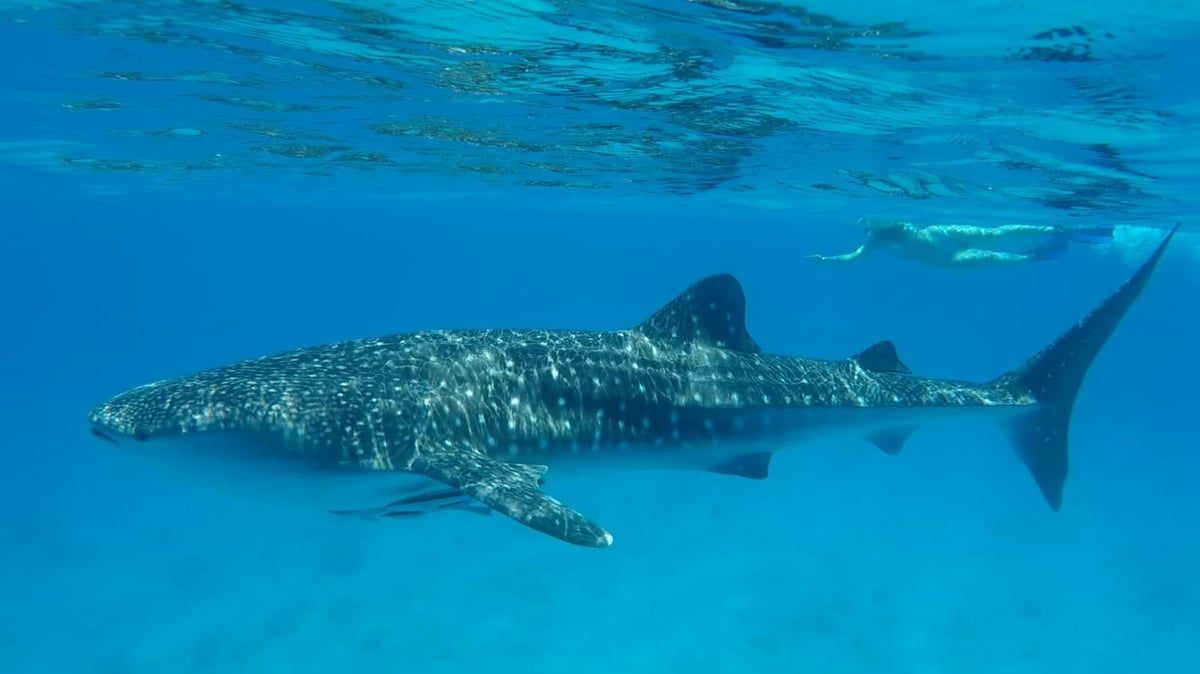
x: 138, y: 414
x: 214, y: 431
x: 178, y: 422
x: 208, y: 415
x: 157, y: 410
x: 191, y: 434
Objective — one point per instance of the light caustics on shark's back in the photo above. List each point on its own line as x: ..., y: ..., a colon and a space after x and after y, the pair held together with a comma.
x: 480, y: 415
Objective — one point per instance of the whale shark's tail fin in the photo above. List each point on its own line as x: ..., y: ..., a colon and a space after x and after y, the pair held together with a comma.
x: 1052, y: 378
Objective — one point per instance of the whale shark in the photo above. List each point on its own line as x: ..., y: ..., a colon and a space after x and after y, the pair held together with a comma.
x: 408, y: 424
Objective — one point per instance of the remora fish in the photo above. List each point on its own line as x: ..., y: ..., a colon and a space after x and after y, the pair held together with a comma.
x: 478, y: 416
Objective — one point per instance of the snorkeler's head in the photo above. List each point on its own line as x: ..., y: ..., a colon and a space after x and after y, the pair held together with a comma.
x: 876, y: 227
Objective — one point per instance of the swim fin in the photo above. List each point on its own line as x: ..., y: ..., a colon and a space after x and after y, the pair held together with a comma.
x: 1091, y: 234
x: 1054, y: 248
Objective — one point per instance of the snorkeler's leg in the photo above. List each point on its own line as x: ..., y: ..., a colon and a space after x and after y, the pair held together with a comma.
x: 975, y: 236
x: 972, y: 236
x: 1097, y: 234
x: 976, y: 257
x: 1010, y: 230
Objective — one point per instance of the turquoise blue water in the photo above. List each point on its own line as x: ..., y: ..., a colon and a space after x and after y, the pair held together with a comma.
x: 189, y: 183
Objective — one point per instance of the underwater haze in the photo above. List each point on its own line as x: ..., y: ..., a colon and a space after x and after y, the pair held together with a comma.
x: 190, y: 183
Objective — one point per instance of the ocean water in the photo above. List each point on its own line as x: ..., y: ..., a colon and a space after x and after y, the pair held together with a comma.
x: 187, y: 183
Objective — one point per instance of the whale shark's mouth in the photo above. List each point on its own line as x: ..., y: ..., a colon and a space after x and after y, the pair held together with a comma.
x: 116, y: 424
x: 103, y: 435
x: 255, y: 468
x: 116, y: 434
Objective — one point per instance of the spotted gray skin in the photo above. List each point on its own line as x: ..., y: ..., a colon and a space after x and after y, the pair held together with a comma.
x: 486, y: 412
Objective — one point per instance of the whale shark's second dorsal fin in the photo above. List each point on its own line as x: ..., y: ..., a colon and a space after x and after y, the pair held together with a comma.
x: 881, y: 357
x: 711, y: 312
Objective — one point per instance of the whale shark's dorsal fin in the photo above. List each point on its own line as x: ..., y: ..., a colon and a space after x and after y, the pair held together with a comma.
x: 881, y: 357
x: 711, y: 312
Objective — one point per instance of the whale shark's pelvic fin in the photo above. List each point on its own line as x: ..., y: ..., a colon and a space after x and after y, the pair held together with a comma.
x: 1053, y: 377
x: 755, y: 466
x: 891, y: 440
x: 712, y: 311
x: 512, y: 489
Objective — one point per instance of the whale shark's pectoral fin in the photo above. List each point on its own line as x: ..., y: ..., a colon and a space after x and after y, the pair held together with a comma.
x: 512, y: 489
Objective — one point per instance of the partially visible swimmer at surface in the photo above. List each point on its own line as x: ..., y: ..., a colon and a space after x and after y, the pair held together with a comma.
x: 968, y: 246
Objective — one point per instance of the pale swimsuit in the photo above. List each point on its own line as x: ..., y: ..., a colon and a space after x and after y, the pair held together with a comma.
x: 959, y: 246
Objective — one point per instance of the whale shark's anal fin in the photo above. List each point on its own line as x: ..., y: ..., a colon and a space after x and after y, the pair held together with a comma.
x: 511, y: 489
x: 711, y: 312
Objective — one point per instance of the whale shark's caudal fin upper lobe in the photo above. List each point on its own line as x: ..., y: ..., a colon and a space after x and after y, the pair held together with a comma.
x: 1053, y: 377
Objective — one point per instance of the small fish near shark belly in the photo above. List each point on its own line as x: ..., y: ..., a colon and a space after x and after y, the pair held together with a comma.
x: 422, y: 499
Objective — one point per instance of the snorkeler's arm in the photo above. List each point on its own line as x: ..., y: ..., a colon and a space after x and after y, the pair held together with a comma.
x: 844, y: 257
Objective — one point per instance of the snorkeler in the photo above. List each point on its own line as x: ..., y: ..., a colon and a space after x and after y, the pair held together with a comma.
x: 958, y: 246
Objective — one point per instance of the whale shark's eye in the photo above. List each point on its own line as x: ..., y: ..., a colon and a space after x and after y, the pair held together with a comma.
x: 141, y: 436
